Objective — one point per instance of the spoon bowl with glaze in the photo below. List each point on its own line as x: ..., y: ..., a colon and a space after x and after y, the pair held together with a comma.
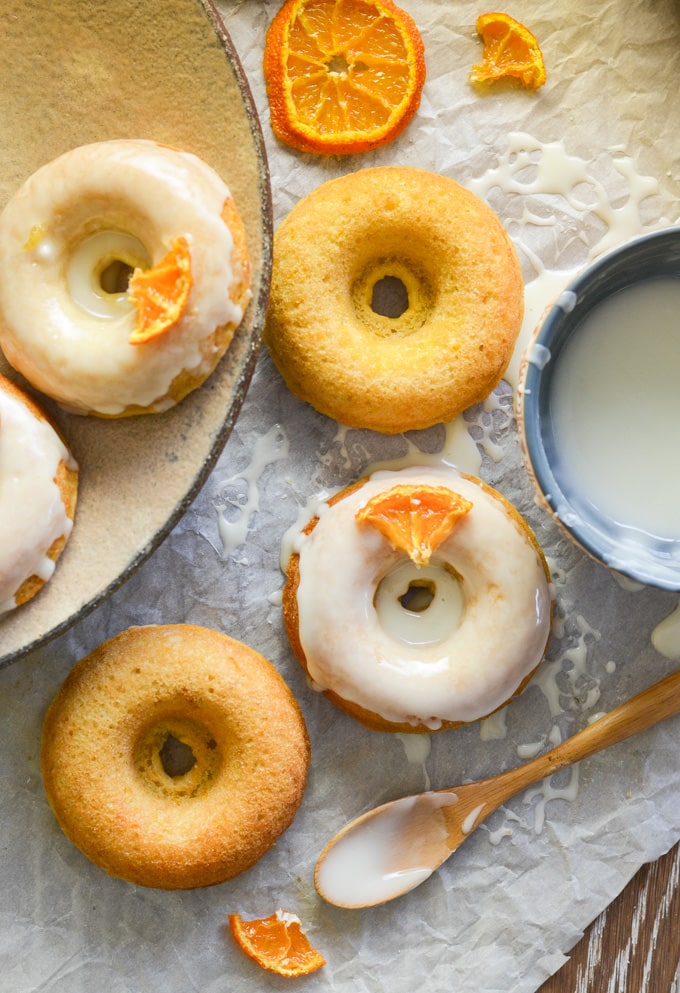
x: 393, y: 848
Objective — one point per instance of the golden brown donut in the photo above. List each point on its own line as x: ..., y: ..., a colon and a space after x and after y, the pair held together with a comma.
x: 38, y: 496
x: 451, y: 345
x: 103, y: 756
x: 394, y: 666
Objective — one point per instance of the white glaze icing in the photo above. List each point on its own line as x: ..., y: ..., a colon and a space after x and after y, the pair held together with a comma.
x: 613, y: 394
x: 32, y: 513
x: 462, y: 672
x: 67, y: 347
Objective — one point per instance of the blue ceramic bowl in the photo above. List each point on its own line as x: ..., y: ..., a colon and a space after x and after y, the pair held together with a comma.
x: 650, y: 560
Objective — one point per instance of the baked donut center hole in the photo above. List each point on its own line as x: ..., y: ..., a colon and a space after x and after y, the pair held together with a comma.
x: 418, y: 596
x: 420, y: 606
x: 177, y: 758
x: 392, y: 297
x: 99, y: 270
x: 116, y: 277
x: 389, y: 297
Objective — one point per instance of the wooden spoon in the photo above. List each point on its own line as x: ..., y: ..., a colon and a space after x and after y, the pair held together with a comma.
x: 390, y: 850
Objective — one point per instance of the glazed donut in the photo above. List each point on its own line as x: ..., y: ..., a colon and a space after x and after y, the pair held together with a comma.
x: 455, y: 330
x: 70, y: 239
x: 397, y: 665
x: 38, y: 495
x: 107, y: 735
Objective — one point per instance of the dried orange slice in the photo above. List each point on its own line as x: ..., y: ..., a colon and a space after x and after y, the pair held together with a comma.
x: 160, y: 294
x: 277, y: 943
x: 510, y: 49
x: 342, y: 76
x: 416, y: 519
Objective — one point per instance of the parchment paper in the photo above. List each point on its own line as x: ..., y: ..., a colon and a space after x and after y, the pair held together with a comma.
x: 500, y: 916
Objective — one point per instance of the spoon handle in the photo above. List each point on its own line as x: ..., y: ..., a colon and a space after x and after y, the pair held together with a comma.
x: 643, y: 711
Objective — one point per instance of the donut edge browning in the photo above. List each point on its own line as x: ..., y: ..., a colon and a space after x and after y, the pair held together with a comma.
x: 323, y: 352
x: 369, y: 719
x: 125, y: 827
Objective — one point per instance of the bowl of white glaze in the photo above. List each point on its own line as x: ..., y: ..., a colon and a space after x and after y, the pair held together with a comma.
x: 598, y: 409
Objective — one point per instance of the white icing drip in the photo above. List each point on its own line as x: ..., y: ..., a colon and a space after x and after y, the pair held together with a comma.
x: 233, y: 523
x: 666, y: 635
x: 547, y: 791
x: 32, y: 513
x: 83, y: 361
x: 494, y: 727
x: 417, y: 748
x: 529, y: 169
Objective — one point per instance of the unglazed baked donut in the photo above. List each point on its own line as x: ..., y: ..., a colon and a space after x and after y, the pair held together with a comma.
x: 69, y: 240
x: 396, y: 665
x: 335, y: 252
x: 38, y: 495
x: 105, y: 738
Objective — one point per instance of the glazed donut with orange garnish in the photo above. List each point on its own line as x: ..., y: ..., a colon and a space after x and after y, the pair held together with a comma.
x: 418, y: 600
x: 125, y: 274
x: 38, y: 496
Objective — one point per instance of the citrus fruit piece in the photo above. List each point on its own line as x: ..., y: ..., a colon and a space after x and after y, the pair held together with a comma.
x: 343, y: 76
x: 415, y: 519
x: 277, y: 943
x: 160, y: 294
x: 510, y: 49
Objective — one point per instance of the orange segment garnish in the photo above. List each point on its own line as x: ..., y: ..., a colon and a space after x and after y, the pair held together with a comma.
x: 342, y: 76
x: 510, y: 49
x: 277, y: 943
x: 160, y: 294
x: 415, y: 519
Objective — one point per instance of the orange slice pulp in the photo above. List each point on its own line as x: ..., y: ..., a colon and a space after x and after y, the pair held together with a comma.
x: 342, y: 76
x: 277, y: 943
x: 160, y: 294
x: 510, y: 49
x: 415, y: 519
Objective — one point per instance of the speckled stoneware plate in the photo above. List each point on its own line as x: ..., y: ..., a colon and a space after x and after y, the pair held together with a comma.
x: 76, y: 71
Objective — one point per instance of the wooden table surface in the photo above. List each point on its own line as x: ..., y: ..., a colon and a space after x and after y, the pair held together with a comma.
x: 634, y: 945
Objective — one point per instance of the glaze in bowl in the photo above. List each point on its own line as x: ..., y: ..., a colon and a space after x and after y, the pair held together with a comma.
x: 648, y: 555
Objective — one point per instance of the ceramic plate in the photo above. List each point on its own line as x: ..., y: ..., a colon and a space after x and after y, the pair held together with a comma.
x: 76, y: 72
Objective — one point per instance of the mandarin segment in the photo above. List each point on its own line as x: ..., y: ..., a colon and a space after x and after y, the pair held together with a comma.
x: 415, y: 519
x: 510, y: 49
x: 277, y: 943
x: 343, y: 76
x: 160, y: 294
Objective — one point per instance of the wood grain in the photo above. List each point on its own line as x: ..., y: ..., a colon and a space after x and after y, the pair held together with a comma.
x: 634, y: 945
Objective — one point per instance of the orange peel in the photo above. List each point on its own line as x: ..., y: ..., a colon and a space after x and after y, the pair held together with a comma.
x: 160, y: 294
x: 415, y: 519
x: 277, y: 943
x: 510, y: 49
x: 342, y: 76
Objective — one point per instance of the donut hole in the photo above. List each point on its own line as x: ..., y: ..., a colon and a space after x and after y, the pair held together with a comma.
x: 389, y: 297
x: 418, y: 596
x: 115, y: 277
x: 419, y: 606
x: 392, y: 297
x: 176, y: 756
x: 99, y: 270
